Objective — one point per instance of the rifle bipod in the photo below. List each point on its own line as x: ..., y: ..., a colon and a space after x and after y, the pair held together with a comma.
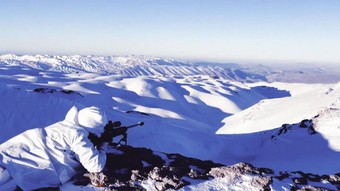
x: 123, y: 139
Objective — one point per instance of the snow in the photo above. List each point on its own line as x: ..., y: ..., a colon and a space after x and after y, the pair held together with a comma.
x: 331, y: 120
x: 268, y: 114
x: 124, y: 66
x: 173, y: 123
x: 239, y: 184
x: 197, y: 115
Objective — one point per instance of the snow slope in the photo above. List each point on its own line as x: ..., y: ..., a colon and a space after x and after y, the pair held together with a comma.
x: 182, y: 108
x: 300, y: 149
x: 297, y: 149
x: 180, y: 113
x: 273, y: 113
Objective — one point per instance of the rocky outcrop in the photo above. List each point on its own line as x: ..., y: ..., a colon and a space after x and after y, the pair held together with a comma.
x: 261, y: 176
x: 51, y: 90
x: 304, y: 124
x: 128, y: 168
x: 133, y: 165
x: 309, y: 181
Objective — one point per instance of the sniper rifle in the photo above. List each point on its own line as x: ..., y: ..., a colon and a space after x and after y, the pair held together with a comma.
x: 111, y: 130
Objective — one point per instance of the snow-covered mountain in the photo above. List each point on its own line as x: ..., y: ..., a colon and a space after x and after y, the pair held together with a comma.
x: 209, y: 112
x: 127, y: 66
x: 133, y: 66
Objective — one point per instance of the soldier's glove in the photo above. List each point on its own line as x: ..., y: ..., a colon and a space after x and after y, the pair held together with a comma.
x: 104, y: 146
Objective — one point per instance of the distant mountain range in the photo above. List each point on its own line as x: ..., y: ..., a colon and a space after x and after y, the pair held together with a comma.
x: 133, y: 66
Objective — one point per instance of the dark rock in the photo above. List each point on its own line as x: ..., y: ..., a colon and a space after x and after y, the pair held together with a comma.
x: 259, y: 182
x: 155, y: 174
x: 282, y: 175
x: 311, y: 130
x: 312, y: 188
x: 265, y: 171
x: 136, y: 175
x: 262, y: 183
x: 325, y: 177
x: 44, y: 90
x: 196, y: 174
x: 97, y: 179
x: 127, y: 167
x: 235, y: 170
x: 138, y: 112
x: 186, y: 164
x: 167, y: 177
x: 308, y: 123
x: 50, y: 90
x: 313, y: 177
x: 169, y: 183
x: 284, y: 129
x: 131, y: 159
x: 305, y: 123
x: 300, y: 180
x: 334, y: 179
x: 130, y: 165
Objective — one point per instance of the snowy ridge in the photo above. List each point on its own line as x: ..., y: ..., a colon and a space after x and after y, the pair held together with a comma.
x: 273, y: 113
x: 132, y: 66
x: 126, y: 66
x: 300, y: 132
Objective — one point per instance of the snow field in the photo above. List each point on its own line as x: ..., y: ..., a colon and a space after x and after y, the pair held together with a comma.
x: 182, y: 114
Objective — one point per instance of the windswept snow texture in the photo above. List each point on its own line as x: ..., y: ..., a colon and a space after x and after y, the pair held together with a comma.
x: 183, y: 106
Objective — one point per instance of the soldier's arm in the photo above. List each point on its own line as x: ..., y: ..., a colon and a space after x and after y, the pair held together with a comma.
x: 93, y: 160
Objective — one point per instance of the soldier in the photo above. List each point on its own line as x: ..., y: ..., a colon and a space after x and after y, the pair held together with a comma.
x: 50, y: 156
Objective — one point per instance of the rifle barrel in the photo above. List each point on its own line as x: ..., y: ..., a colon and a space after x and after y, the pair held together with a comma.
x: 135, y: 125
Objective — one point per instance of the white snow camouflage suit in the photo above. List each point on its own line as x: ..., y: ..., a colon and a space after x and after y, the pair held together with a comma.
x: 50, y: 156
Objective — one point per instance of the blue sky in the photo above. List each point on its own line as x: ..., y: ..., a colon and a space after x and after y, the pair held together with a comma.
x: 281, y: 31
